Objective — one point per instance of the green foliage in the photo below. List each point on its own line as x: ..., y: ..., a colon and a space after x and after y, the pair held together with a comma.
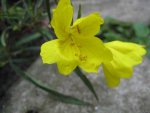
x: 141, y: 30
x: 21, y: 23
x: 27, y: 38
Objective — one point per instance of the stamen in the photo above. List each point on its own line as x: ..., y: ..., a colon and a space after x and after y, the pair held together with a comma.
x: 83, y: 58
x: 72, y: 44
x: 78, y: 29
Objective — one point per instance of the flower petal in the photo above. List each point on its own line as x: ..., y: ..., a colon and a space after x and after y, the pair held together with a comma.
x: 111, y: 79
x: 132, y: 50
x: 92, y: 54
x: 62, y: 17
x: 50, y: 51
x: 119, y: 67
x: 65, y: 67
x: 68, y: 49
x: 88, y: 26
x: 125, y: 56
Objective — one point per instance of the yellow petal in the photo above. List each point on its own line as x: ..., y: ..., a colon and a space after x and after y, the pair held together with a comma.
x: 88, y: 26
x: 111, y: 79
x: 125, y: 56
x: 121, y: 64
x: 92, y: 53
x: 120, y: 67
x: 65, y: 67
x: 131, y: 50
x: 50, y: 51
x: 69, y: 56
x: 62, y: 17
x: 68, y: 49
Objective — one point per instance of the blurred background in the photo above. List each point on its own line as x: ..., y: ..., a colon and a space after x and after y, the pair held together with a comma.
x: 24, y: 26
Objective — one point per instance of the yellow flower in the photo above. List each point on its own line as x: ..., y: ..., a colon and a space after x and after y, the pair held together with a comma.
x: 125, y: 56
x: 76, y: 44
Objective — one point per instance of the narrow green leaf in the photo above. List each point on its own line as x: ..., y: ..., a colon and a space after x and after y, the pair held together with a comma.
x: 3, y: 63
x: 86, y: 82
x: 57, y: 95
x: 79, y: 11
x: 28, y: 38
x: 48, y: 9
x: 39, y: 3
x: 4, y: 36
x: 4, y: 6
x: 28, y: 7
x: 110, y: 36
x: 22, y: 49
x: 32, y: 48
x: 22, y: 60
x: 56, y: 2
x: 37, y: 6
x: 47, y: 33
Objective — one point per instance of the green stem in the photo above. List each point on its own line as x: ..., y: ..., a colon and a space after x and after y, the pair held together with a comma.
x: 56, y: 2
x: 86, y: 81
x: 48, y: 9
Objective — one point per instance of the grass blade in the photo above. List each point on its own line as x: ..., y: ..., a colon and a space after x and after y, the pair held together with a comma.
x: 57, y: 95
x: 28, y: 38
x: 79, y: 11
x: 47, y: 33
x: 3, y: 38
x: 48, y: 9
x: 86, y: 82
x: 4, y: 6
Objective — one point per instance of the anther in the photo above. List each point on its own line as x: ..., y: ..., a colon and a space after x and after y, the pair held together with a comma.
x: 78, y: 29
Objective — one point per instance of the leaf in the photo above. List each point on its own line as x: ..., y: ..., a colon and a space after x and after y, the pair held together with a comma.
x: 86, y: 82
x: 47, y: 33
x: 48, y: 9
x: 38, y: 4
x: 110, y: 36
x: 56, y: 2
x: 141, y: 30
x: 22, y: 60
x: 4, y: 6
x: 79, y: 11
x: 32, y: 48
x: 28, y: 38
x: 22, y: 49
x: 3, y: 38
x: 27, y: 4
x: 120, y: 29
x: 148, y: 52
x: 57, y: 95
x: 3, y: 63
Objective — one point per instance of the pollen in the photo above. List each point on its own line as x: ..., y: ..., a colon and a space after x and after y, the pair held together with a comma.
x: 83, y: 57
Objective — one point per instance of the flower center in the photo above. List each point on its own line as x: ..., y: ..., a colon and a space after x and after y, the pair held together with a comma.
x: 77, y: 47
